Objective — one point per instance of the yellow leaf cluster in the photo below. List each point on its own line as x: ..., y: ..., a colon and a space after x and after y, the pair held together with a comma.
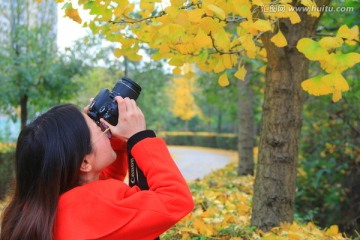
x: 223, y: 210
x: 327, y: 51
x: 351, y: 35
x: 333, y: 83
x: 213, y: 34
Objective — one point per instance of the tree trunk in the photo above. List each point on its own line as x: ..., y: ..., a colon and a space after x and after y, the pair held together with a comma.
x: 23, y: 110
x: 246, y: 126
x: 274, y: 188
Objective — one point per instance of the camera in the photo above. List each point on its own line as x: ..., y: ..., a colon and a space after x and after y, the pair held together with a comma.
x: 104, y: 104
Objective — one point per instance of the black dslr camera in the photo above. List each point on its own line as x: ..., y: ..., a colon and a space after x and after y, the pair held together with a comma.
x: 104, y: 104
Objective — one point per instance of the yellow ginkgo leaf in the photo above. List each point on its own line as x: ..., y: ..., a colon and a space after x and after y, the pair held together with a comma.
x: 223, y: 80
x: 243, y: 9
x: 248, y: 42
x: 203, y: 228
x: 279, y: 39
x: 331, y: 42
x: 177, y: 3
x: 294, y: 17
x: 316, y: 86
x: 133, y: 56
x: 240, y: 73
x: 222, y: 39
x: 218, y: 11
x: 336, y: 81
x: 312, y: 8
x: 117, y: 52
x: 286, y: 11
x: 147, y: 5
x: 172, y: 11
x: 262, y: 25
x: 176, y: 71
x: 350, y: 42
x: 348, y: 33
x: 73, y: 14
x: 228, y: 60
x: 164, y: 48
x: 332, y: 231
x: 202, y: 40
x: 337, y: 95
x: 337, y: 62
x: 176, y: 61
x: 311, y: 49
x: 333, y: 83
x: 219, y: 67
x: 195, y: 15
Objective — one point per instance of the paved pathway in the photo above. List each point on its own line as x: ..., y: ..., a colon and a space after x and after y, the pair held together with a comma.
x: 196, y: 162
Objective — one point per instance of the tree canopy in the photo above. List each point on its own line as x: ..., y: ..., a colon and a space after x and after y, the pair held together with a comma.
x: 220, y: 35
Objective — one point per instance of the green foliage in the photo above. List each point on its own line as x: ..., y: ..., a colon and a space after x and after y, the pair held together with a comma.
x: 329, y: 160
x: 218, y: 105
x: 201, y: 139
x: 154, y: 98
x: 6, y: 168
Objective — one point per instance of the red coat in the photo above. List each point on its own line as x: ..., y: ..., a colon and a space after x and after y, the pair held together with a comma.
x: 110, y: 209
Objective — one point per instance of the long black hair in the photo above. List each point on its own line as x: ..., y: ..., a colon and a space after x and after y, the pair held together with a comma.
x: 48, y: 157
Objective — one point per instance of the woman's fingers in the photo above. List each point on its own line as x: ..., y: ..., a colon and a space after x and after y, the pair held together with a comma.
x: 86, y: 108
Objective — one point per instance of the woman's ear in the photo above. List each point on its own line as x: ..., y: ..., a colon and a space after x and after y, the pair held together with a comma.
x: 85, y: 166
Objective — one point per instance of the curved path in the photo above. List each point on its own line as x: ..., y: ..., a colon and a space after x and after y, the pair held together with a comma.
x: 196, y: 162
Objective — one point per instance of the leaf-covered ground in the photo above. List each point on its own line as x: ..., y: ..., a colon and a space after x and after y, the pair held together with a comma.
x: 223, y: 210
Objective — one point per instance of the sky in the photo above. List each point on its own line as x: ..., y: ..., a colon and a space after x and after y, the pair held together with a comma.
x: 68, y: 30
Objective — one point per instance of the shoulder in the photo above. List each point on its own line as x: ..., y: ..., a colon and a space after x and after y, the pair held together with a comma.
x: 93, y: 210
x: 106, y: 190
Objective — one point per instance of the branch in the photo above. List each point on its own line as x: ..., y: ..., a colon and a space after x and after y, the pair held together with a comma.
x: 129, y: 20
x: 221, y: 51
x: 162, y: 13
x: 319, y: 34
x: 227, y: 20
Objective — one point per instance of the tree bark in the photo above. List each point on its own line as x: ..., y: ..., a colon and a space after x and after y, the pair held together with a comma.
x: 275, y: 181
x: 246, y: 126
x: 23, y: 110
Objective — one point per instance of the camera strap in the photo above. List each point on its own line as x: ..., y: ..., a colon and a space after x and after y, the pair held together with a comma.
x: 137, y: 177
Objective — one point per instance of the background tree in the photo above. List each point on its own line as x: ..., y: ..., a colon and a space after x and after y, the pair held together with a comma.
x: 182, y: 91
x: 218, y: 105
x: 203, y: 33
x: 32, y: 76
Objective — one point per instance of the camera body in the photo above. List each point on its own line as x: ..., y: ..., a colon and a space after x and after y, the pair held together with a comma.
x: 104, y: 104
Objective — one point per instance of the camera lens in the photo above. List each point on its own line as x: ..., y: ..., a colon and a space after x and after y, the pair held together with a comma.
x: 127, y: 88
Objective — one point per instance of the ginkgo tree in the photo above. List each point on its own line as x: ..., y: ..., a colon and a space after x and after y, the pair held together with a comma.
x: 221, y: 36
x: 182, y: 90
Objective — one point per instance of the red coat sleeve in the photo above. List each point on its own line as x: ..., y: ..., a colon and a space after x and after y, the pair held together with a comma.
x: 111, y: 210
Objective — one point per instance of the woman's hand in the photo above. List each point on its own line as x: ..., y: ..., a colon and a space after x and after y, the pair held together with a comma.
x: 86, y: 108
x: 131, y: 119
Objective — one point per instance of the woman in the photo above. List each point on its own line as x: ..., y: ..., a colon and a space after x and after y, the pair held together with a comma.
x: 69, y: 179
